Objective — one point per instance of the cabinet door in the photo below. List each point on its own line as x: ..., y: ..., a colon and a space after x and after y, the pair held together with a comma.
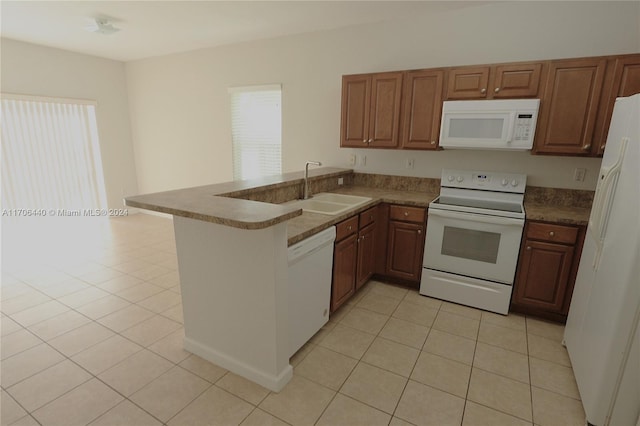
x: 404, y: 254
x: 569, y: 106
x: 624, y: 80
x: 543, y: 275
x: 386, y: 91
x: 366, y: 254
x: 344, y: 271
x: 516, y: 81
x: 422, y: 109
x: 354, y: 127
x: 467, y: 83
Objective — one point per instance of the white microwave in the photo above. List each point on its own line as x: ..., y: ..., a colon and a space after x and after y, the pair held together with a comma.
x: 494, y: 124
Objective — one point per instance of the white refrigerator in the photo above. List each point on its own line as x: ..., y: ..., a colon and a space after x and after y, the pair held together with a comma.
x: 602, y: 334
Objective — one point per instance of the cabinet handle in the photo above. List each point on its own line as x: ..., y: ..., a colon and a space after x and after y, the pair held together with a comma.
x: 586, y: 147
x: 433, y: 142
x: 602, y: 147
x: 406, y: 214
x: 419, y: 231
x: 349, y: 228
x: 551, y: 233
x: 370, y: 140
x: 483, y: 90
x: 370, y: 217
x: 362, y: 237
x: 497, y: 89
x: 528, y: 247
x: 364, y: 141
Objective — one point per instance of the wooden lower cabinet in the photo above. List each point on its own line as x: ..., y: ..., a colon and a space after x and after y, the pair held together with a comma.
x: 405, y: 242
x: 547, y: 267
x: 345, y: 256
x: 366, y: 254
x: 353, y: 256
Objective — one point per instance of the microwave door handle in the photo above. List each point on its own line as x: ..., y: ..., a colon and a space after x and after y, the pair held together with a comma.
x: 494, y: 220
x: 512, y: 125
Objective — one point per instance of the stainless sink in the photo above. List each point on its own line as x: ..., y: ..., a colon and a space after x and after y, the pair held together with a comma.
x: 330, y: 204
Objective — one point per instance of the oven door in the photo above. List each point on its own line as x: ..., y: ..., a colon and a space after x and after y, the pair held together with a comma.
x: 474, y: 245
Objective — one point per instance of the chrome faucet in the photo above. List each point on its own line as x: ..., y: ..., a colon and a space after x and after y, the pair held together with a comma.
x: 306, y: 195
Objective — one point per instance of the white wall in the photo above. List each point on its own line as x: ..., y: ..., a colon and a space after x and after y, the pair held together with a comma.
x: 180, y: 107
x: 42, y: 71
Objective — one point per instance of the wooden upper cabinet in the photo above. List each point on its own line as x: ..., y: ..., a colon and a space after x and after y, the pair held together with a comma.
x: 354, y: 126
x: 569, y: 106
x: 521, y: 80
x: 371, y: 110
x: 386, y: 92
x: 467, y: 83
x: 622, y: 79
x: 516, y: 80
x: 422, y: 108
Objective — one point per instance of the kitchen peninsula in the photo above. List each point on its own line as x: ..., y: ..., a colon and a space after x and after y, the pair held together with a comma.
x: 232, y: 241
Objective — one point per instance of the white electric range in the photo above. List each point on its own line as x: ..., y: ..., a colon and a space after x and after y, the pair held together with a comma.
x: 473, y: 238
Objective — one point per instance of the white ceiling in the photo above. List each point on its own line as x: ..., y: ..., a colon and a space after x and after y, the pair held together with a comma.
x: 154, y: 28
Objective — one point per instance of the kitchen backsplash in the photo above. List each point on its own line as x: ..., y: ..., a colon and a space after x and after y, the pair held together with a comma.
x: 399, y: 183
x: 559, y: 197
x: 281, y: 193
x: 284, y: 192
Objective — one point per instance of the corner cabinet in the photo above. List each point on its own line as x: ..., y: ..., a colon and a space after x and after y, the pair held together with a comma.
x: 353, y: 256
x: 549, y: 259
x: 405, y: 244
x: 422, y: 108
x: 569, y: 107
x: 371, y: 110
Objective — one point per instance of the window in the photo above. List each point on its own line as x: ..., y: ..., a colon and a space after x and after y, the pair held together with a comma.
x: 50, y: 154
x: 256, y: 130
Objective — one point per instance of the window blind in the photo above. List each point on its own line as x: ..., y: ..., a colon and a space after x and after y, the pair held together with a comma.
x: 50, y: 154
x: 256, y: 129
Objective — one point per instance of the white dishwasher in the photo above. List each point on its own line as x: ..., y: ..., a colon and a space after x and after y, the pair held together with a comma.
x: 309, y: 280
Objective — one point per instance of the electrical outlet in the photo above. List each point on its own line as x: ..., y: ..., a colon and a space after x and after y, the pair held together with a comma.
x: 409, y: 163
x: 579, y: 174
x: 363, y: 160
x: 352, y: 160
x: 340, y: 181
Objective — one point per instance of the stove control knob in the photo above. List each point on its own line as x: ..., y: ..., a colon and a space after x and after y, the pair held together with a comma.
x: 514, y: 183
x: 460, y: 178
x: 450, y: 178
x: 504, y: 182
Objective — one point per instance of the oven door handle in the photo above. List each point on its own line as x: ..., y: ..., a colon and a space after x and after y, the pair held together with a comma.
x: 495, y: 220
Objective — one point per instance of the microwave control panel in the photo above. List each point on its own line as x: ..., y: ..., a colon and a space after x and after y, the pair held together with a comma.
x: 524, y: 127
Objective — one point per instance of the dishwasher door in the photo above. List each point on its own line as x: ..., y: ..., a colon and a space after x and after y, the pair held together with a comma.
x: 309, y: 280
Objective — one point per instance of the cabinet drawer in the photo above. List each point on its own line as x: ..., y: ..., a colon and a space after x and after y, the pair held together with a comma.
x: 407, y: 214
x: 346, y: 228
x: 367, y: 217
x: 555, y: 233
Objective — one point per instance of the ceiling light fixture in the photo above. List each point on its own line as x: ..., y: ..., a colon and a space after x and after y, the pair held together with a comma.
x: 101, y: 26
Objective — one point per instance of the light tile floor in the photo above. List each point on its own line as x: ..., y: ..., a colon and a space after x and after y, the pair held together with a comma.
x: 94, y: 337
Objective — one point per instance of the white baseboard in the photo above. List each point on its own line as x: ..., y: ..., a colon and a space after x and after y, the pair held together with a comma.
x: 269, y: 381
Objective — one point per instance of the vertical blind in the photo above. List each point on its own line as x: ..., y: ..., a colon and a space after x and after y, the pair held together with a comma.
x: 50, y: 154
x: 256, y: 130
